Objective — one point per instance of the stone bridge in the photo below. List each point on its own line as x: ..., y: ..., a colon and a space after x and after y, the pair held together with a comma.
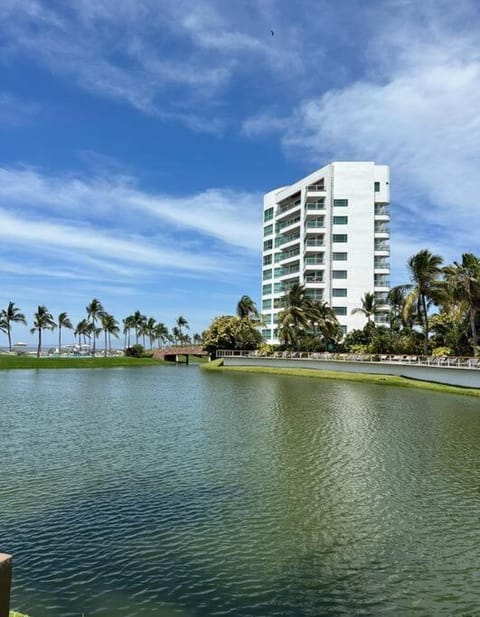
x: 173, y: 353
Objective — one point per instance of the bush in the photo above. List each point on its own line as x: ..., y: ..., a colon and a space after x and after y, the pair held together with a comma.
x: 137, y: 351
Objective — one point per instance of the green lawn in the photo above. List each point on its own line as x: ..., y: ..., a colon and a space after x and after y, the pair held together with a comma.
x: 15, y: 614
x: 383, y: 380
x: 19, y: 362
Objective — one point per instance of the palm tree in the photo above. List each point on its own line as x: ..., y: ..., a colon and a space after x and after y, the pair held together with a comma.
x: 137, y: 320
x: 396, y: 299
x: 424, y: 269
x: 323, y: 318
x: 176, y: 334
x: 42, y: 320
x: 11, y: 315
x: 149, y: 330
x: 463, y: 282
x: 161, y: 333
x: 63, y: 322
x: 369, y: 306
x: 110, y: 326
x: 94, y: 312
x: 84, y: 329
x: 246, y: 308
x: 295, y: 315
x: 181, y: 323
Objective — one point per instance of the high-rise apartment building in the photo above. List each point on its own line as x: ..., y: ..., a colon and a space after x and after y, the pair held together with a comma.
x: 330, y: 233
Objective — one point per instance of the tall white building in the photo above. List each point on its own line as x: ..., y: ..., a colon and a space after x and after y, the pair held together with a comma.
x: 329, y: 232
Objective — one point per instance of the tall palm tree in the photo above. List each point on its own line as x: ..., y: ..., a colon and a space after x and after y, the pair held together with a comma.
x: 295, y: 315
x: 463, y: 282
x: 424, y: 269
x: 63, y: 322
x: 396, y: 299
x: 369, y: 306
x: 246, y: 308
x: 11, y: 314
x: 110, y: 327
x: 181, y: 323
x: 137, y: 320
x: 42, y: 320
x: 94, y: 311
x: 176, y: 334
x: 149, y: 329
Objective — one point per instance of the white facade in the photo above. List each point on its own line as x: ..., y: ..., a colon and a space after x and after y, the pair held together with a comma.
x: 330, y: 233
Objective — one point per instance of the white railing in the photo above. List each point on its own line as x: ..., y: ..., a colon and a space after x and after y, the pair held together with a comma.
x: 443, y: 361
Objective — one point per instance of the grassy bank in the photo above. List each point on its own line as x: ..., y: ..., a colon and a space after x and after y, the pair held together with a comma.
x: 15, y: 614
x: 19, y: 362
x: 382, y: 380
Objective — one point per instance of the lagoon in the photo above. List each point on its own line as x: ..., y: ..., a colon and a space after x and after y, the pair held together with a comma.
x: 163, y: 491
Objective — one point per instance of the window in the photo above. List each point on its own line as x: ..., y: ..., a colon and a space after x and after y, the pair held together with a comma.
x: 266, y: 333
x: 339, y: 292
x: 339, y: 238
x: 268, y: 230
x: 268, y: 214
x: 278, y: 272
x: 339, y: 274
x: 339, y: 256
x: 266, y: 304
x: 377, y: 187
x: 267, y: 289
x: 267, y: 274
x: 340, y: 310
x: 267, y: 245
x: 340, y: 203
x: 278, y: 288
x: 267, y: 260
x: 343, y: 329
x: 340, y: 220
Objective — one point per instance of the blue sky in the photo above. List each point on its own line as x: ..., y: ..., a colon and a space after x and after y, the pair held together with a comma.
x: 138, y: 136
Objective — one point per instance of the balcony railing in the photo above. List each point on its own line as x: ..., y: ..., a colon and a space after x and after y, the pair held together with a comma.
x: 381, y: 282
x: 320, y: 222
x: 288, y: 222
x: 288, y: 254
x: 288, y: 207
x: 316, y: 187
x: 381, y: 265
x: 382, y: 210
x: 313, y: 279
x: 381, y: 246
x: 314, y: 243
x: 315, y: 206
x: 285, y: 239
x: 314, y: 261
x: 382, y: 228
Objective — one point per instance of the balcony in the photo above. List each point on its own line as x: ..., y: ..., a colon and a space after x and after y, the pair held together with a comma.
x: 381, y: 318
x: 381, y: 264
x: 382, y: 247
x: 314, y: 294
x: 314, y: 224
x: 381, y: 281
x: 313, y: 279
x: 287, y: 271
x: 382, y: 228
x: 285, y: 209
x: 288, y: 223
x: 315, y: 206
x: 286, y: 255
x: 286, y: 239
x: 314, y: 260
x: 382, y: 210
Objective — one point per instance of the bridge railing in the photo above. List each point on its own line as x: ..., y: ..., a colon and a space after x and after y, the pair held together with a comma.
x: 441, y: 361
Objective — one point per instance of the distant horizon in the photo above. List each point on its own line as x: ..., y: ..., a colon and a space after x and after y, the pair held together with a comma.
x: 137, y: 144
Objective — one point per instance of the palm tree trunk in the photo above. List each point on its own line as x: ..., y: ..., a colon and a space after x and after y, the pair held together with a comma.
x: 94, y: 336
x: 105, y: 352
x: 425, y: 324
x: 473, y: 327
x: 39, y: 342
x: 59, y: 339
x: 9, y: 336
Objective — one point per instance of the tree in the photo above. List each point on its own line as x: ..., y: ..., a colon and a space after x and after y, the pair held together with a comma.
x: 42, y: 320
x: 161, y: 333
x: 181, y: 323
x: 149, y: 330
x: 94, y: 311
x: 11, y: 315
x: 246, y: 308
x: 230, y: 332
x: 83, y: 329
x: 424, y: 269
x: 295, y: 316
x: 63, y: 322
x: 322, y: 317
x: 136, y: 322
x: 463, y: 282
x: 369, y: 306
x: 110, y: 327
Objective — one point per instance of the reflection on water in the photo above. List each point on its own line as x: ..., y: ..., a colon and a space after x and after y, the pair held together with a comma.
x: 168, y: 491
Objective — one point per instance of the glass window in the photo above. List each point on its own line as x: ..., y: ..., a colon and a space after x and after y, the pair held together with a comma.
x: 343, y: 329
x: 339, y: 238
x: 268, y: 230
x: 267, y: 260
x: 340, y: 310
x: 340, y: 203
x: 339, y: 256
x: 377, y: 187
x: 267, y: 245
x: 267, y: 289
x: 340, y: 220
x: 267, y: 333
x: 338, y: 292
x: 339, y: 274
x: 278, y: 288
x: 267, y: 274
x: 266, y: 304
x: 268, y: 214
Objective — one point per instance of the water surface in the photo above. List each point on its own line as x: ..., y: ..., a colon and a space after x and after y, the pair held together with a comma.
x: 170, y: 491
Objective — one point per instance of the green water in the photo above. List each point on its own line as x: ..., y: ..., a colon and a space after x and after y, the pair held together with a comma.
x: 170, y: 491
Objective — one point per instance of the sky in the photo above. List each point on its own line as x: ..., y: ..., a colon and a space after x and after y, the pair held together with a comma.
x: 137, y: 138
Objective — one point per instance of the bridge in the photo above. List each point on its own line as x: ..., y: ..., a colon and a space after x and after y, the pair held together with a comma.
x: 174, y: 353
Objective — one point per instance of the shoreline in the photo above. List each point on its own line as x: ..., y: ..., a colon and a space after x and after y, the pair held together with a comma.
x: 8, y: 362
x: 380, y: 380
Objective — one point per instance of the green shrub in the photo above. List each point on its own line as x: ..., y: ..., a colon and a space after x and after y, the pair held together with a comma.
x: 136, y: 351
